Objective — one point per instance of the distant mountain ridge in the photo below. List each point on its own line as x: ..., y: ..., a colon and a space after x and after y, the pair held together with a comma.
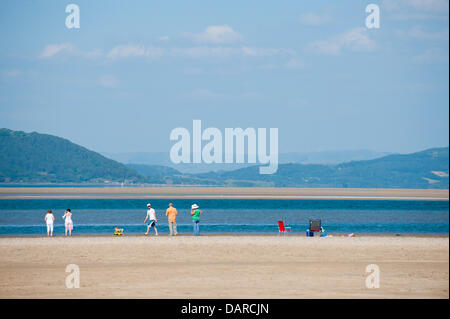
x: 41, y: 158
x: 426, y: 169
x: 318, y: 157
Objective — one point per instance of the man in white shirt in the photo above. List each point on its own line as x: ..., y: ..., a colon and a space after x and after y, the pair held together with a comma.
x: 151, y: 217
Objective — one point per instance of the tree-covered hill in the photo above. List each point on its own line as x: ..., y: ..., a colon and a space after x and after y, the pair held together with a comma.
x: 158, y: 174
x: 426, y: 169
x: 43, y: 158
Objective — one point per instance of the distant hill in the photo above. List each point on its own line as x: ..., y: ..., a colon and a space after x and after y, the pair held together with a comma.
x: 320, y: 157
x: 42, y: 158
x: 426, y: 169
x: 329, y: 157
x: 157, y: 174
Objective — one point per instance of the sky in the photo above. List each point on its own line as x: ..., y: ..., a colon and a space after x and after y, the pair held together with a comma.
x: 135, y: 70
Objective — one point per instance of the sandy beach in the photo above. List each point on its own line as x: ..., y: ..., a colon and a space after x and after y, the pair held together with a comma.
x: 224, y: 267
x: 223, y: 192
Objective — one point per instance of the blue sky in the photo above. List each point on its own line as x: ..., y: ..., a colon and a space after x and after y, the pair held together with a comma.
x: 137, y: 69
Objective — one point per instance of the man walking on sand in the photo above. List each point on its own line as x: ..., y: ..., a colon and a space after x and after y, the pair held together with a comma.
x: 151, y: 216
x: 171, y: 214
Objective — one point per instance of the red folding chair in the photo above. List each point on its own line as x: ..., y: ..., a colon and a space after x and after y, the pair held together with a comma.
x: 282, y: 229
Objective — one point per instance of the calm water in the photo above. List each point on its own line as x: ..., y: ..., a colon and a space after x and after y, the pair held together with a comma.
x: 99, y: 216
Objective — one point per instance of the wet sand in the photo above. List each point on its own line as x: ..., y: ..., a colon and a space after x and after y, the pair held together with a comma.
x: 224, y: 267
x: 222, y: 192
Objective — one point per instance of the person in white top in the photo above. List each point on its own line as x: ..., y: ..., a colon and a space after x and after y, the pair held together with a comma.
x: 151, y: 217
x: 68, y: 221
x: 49, y: 219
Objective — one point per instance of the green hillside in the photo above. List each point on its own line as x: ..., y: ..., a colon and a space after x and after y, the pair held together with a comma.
x: 157, y: 174
x: 426, y: 169
x: 42, y: 158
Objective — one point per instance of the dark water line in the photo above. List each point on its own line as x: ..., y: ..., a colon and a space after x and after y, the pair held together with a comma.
x: 223, y: 204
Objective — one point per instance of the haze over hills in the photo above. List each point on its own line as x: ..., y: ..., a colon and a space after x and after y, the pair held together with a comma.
x: 41, y: 158
x: 426, y: 169
x: 319, y: 157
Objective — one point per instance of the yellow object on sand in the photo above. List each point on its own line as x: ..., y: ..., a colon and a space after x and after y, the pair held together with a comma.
x: 118, y: 232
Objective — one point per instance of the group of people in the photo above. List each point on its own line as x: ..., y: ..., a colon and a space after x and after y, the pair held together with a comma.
x: 50, y: 219
x: 171, y: 213
x: 150, y: 220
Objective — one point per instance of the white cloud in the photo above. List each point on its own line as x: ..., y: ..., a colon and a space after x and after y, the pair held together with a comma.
x: 126, y: 51
x: 108, y: 81
x: 293, y: 63
x: 151, y: 52
x: 251, y: 51
x: 204, y: 52
x: 54, y: 49
x: 215, y: 34
x: 356, y: 39
x: 226, y: 52
x: 164, y: 38
x: 312, y: 19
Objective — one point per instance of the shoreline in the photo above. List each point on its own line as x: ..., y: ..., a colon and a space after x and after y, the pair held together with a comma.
x: 222, y: 193
x: 333, y: 235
